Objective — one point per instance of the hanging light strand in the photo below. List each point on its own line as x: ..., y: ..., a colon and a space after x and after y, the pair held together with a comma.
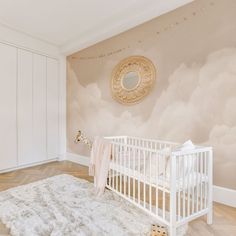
x: 157, y: 34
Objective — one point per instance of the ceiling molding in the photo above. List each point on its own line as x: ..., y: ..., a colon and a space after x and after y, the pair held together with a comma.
x: 77, y: 24
x: 20, y: 31
x: 19, y: 39
x: 109, y: 29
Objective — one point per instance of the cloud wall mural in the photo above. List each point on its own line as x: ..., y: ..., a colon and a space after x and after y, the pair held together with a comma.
x: 195, y: 92
x: 199, y: 104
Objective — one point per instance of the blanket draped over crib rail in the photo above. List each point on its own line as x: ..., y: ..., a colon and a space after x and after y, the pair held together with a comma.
x: 99, y: 163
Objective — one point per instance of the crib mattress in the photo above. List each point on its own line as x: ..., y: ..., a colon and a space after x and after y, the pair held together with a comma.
x: 161, y: 181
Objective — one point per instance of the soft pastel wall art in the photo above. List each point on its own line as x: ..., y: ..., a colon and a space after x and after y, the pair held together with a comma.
x: 194, y: 96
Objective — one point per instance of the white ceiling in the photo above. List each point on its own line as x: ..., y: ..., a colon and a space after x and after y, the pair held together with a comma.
x: 76, y: 24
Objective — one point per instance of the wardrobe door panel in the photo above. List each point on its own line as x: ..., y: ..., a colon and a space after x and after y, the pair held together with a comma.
x: 39, y: 108
x: 8, y: 80
x: 52, y: 108
x: 25, y: 107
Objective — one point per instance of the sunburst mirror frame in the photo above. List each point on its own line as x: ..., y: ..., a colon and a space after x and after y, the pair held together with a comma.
x: 147, y: 76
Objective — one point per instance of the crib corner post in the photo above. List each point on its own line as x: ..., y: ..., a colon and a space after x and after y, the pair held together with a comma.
x: 210, y: 189
x: 172, y: 229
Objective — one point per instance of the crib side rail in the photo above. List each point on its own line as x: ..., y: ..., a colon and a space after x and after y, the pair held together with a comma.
x: 191, y: 197
x: 150, y: 143
x: 143, y: 142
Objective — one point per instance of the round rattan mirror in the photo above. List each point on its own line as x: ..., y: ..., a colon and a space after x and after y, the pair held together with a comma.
x: 132, y: 80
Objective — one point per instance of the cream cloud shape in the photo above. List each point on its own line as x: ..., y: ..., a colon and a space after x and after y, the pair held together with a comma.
x: 199, y: 103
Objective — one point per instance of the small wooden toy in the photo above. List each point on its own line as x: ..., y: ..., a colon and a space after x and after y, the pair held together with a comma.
x: 158, y: 230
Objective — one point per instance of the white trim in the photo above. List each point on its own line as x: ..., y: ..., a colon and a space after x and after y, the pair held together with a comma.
x: 119, y: 24
x: 23, y: 41
x: 79, y: 159
x: 27, y: 165
x: 224, y: 195
x: 62, y: 107
x: 41, y: 53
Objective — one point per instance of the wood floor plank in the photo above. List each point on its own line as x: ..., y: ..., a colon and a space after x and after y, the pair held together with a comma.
x: 224, y: 216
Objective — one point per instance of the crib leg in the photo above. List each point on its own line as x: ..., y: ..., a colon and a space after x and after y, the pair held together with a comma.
x: 210, y: 189
x: 210, y: 216
x: 172, y: 231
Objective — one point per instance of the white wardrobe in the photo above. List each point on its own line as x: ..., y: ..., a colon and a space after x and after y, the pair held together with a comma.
x: 29, y: 103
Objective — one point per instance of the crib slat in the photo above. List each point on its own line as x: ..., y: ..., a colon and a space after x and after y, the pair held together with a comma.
x: 192, y: 181
x: 178, y: 180
x: 157, y: 184
x: 120, y: 166
x: 124, y: 168
x: 112, y: 169
x: 209, y: 184
x: 134, y: 160
x: 183, y: 186
x: 198, y: 184
x: 188, y: 184
x: 150, y: 181
x: 117, y: 167
x: 139, y: 153
x: 129, y: 170
x: 109, y: 176
x: 144, y: 183
x: 205, y: 183
x: 164, y: 189
x: 201, y: 167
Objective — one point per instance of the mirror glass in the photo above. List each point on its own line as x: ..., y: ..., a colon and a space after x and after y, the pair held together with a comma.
x: 130, y: 80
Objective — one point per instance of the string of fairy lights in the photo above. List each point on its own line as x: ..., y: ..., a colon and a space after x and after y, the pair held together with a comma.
x: 168, y: 27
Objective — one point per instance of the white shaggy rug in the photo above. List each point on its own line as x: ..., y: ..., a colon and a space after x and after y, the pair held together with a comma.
x: 66, y: 206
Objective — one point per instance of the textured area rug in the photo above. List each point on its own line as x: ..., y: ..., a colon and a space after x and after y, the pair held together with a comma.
x: 66, y: 206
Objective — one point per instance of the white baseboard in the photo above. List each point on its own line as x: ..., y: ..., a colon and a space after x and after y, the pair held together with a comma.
x: 222, y: 195
x: 79, y: 159
x: 28, y: 165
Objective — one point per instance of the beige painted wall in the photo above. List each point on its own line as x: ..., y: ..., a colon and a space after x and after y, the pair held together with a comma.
x: 195, y: 92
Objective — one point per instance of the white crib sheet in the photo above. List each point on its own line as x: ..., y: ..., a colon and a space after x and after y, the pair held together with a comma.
x: 143, y: 163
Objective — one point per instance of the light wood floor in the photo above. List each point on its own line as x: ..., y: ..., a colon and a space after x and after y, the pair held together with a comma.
x: 224, y: 217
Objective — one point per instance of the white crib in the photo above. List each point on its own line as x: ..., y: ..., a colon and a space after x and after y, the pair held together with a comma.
x: 173, y: 186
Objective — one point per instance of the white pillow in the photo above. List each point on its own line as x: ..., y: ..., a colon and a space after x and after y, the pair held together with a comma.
x: 188, y: 145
